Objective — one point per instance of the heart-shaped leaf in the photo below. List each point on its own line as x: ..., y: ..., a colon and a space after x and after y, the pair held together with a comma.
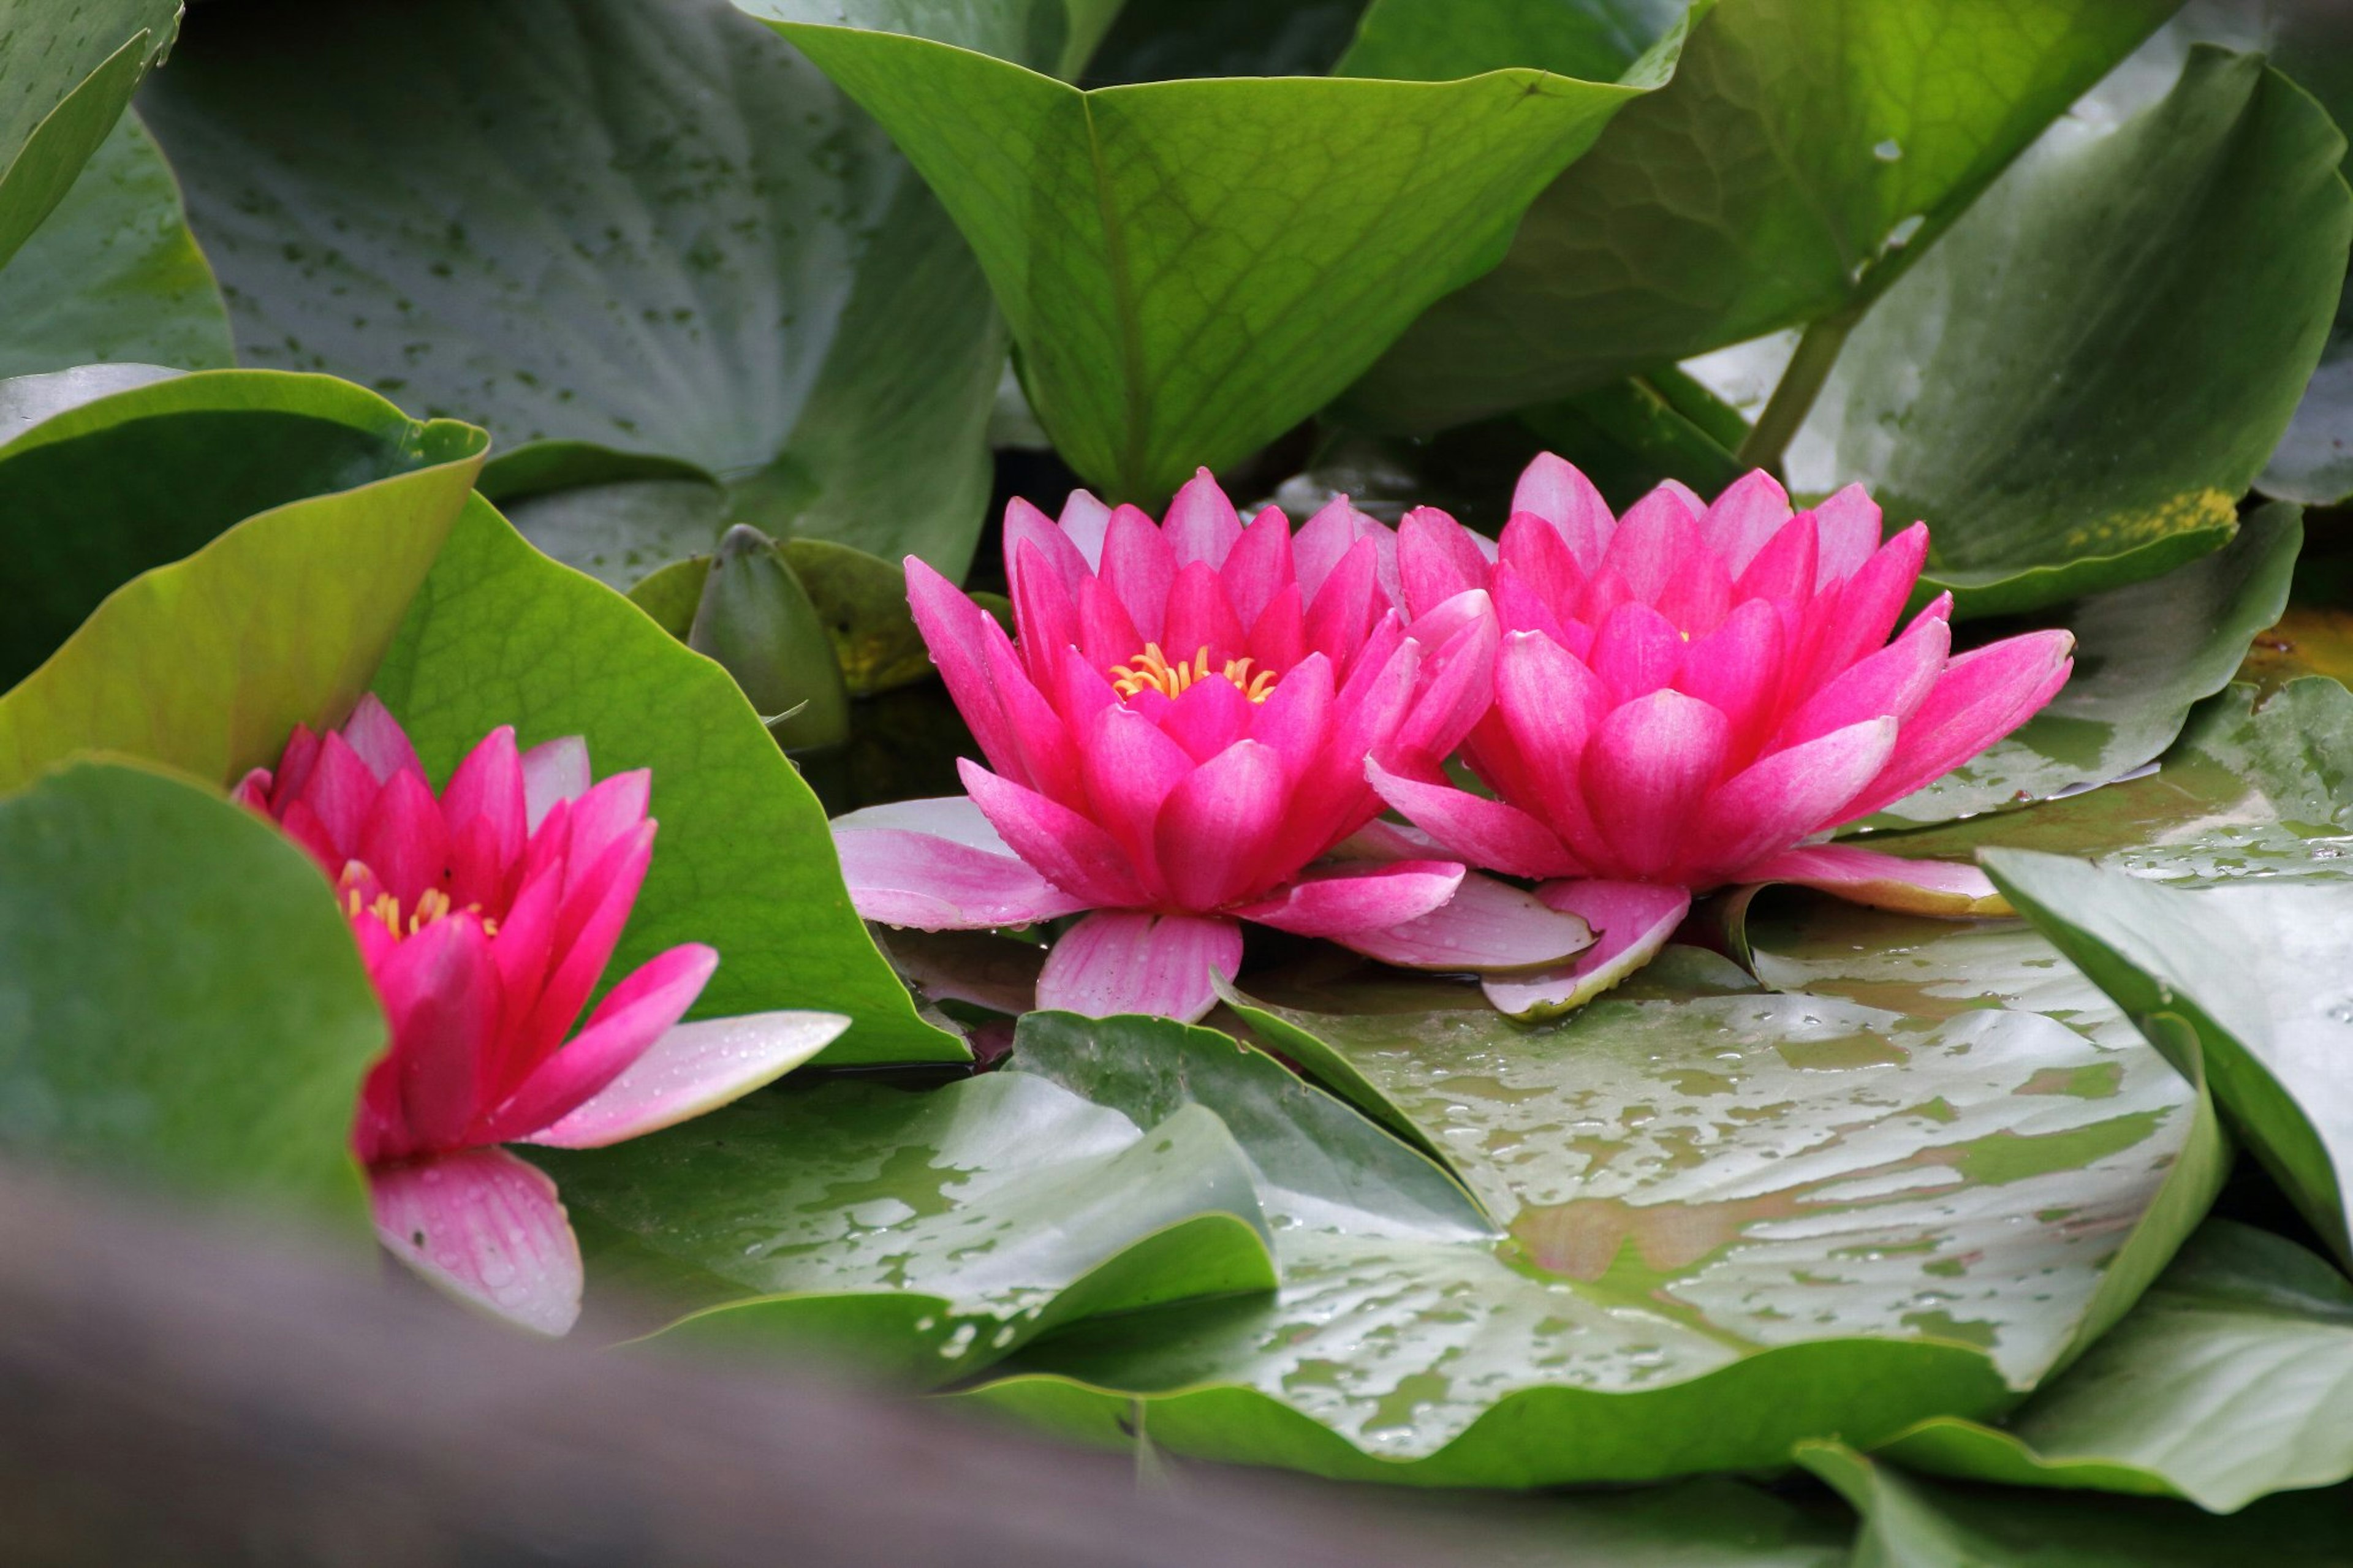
x: 65, y: 78
x: 185, y: 1005
x: 666, y: 235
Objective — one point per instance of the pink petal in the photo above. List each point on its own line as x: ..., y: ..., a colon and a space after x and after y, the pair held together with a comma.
x: 1637, y: 651
x: 1873, y: 598
x: 1342, y: 610
x: 1069, y: 851
x: 1786, y: 568
x: 950, y: 625
x: 1556, y: 491
x: 1296, y: 716
x: 488, y: 787
x: 1199, y: 617
x: 553, y: 770
x: 1483, y: 832
x: 1130, y: 766
x: 405, y: 842
x: 381, y: 743
x: 1550, y: 704
x: 935, y: 884
x: 1034, y: 541
x: 1457, y: 685
x: 1105, y: 634
x: 1750, y: 511
x: 1885, y: 881
x: 626, y: 1024
x: 1892, y: 682
x: 951, y: 816
x: 1138, y: 567
x: 1049, y: 758
x: 1201, y: 525
x: 340, y: 793
x: 1045, y: 610
x: 1737, y: 669
x: 1338, y: 900
x: 1260, y: 567
x: 487, y: 1228
x: 1325, y: 538
x: 1486, y: 926
x: 597, y: 905
x: 1658, y: 534
x: 1651, y: 764
x: 440, y: 995
x: 1278, y: 637
x: 1849, y: 522
x: 1085, y: 521
x: 1982, y: 696
x: 693, y: 1069
x: 1633, y: 919
x: 1116, y: 961
x: 1783, y: 797
x: 1534, y: 551
x: 1436, y: 560
x: 1217, y: 825
x: 1208, y: 717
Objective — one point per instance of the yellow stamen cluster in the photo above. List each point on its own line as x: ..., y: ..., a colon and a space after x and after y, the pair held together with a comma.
x: 433, y: 904
x: 1151, y: 669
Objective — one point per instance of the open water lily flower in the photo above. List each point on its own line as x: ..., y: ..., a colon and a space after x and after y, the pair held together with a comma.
x: 486, y: 915
x: 1176, y: 742
x: 1688, y: 695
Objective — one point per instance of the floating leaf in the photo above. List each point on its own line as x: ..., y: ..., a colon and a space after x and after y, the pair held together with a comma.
x: 927, y: 1234
x: 204, y: 663
x: 2145, y: 654
x: 2075, y: 386
x: 114, y: 273
x: 1803, y: 154
x: 1191, y: 267
x: 65, y: 78
x: 502, y: 635
x: 2227, y: 1383
x: 666, y: 235
x: 184, y: 1005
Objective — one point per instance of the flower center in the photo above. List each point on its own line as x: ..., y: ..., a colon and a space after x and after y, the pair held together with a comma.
x: 1151, y: 670
x: 433, y: 904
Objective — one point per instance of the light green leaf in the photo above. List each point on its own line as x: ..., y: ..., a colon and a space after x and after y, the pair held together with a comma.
x: 2075, y: 386
x: 114, y: 273
x: 928, y: 1234
x: 667, y: 235
x: 205, y: 663
x: 1766, y: 186
x: 500, y: 635
x: 2263, y: 973
x: 2227, y: 1383
x: 1191, y: 268
x: 65, y: 75
x: 2145, y: 654
x: 180, y: 1000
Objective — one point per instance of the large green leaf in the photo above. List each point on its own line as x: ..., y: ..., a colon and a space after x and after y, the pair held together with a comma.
x: 180, y: 1000
x: 649, y: 227
x: 1191, y: 268
x: 1913, y: 1524
x: 205, y: 663
x: 114, y: 273
x: 2229, y: 1381
x: 2262, y: 972
x: 929, y: 1234
x: 1803, y: 154
x: 65, y: 73
x: 500, y: 635
x: 1435, y: 40
x: 2077, y: 385
x: 2145, y: 654
x: 2248, y: 791
x: 1051, y: 35
x: 1730, y: 1221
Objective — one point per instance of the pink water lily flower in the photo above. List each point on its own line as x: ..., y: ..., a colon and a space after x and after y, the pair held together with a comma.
x: 1176, y: 743
x: 486, y: 915
x: 1687, y: 696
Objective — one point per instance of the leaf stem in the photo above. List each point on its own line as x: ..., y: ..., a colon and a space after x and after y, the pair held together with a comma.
x: 1793, y: 399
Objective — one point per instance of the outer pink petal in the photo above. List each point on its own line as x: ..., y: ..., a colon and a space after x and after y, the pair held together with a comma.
x: 1655, y: 538
x: 1337, y: 899
x: 1342, y: 609
x: 1483, y: 832
x: 1783, y: 797
x: 553, y: 770
x: 1651, y: 764
x: 1201, y: 525
x: 1487, y: 927
x: 951, y: 816
x: 1553, y: 490
x: 1885, y: 881
x: 1457, y: 685
x: 1259, y: 567
x: 1736, y: 670
x: 1983, y: 695
x: 1069, y: 851
x: 626, y: 1024
x: 487, y: 1228
x: 1055, y: 551
x: 440, y: 995
x: 1216, y: 825
x: 1325, y: 538
x: 1892, y: 682
x: 936, y: 884
x: 693, y: 1069
x: 1121, y: 962
x: 950, y: 625
x: 1636, y: 651
x: 1086, y: 519
x: 1635, y: 920
x: 488, y: 787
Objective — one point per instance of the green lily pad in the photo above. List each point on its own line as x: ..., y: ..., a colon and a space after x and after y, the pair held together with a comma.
x: 666, y: 235
x: 2077, y: 383
x: 66, y: 76
x: 180, y: 1000
x: 2263, y: 792
x: 1802, y: 156
x: 205, y: 663
x: 2262, y: 971
x: 1729, y: 1221
x: 1191, y: 267
x: 1909, y: 1523
x: 618, y: 516
x: 2145, y: 654
x: 930, y: 1234
x: 114, y: 274
x: 2227, y: 1383
x: 500, y: 635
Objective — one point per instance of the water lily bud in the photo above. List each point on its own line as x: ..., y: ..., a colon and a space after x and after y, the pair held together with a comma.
x: 756, y: 619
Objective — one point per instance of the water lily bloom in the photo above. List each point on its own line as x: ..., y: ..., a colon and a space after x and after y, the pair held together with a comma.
x: 1688, y: 695
x: 486, y: 915
x: 1176, y: 739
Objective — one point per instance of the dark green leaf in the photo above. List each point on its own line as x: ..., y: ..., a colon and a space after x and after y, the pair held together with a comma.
x: 66, y: 74
x: 180, y: 1000
x: 500, y: 635
x: 652, y: 228
x: 755, y: 619
x: 1438, y: 40
x: 1161, y: 40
